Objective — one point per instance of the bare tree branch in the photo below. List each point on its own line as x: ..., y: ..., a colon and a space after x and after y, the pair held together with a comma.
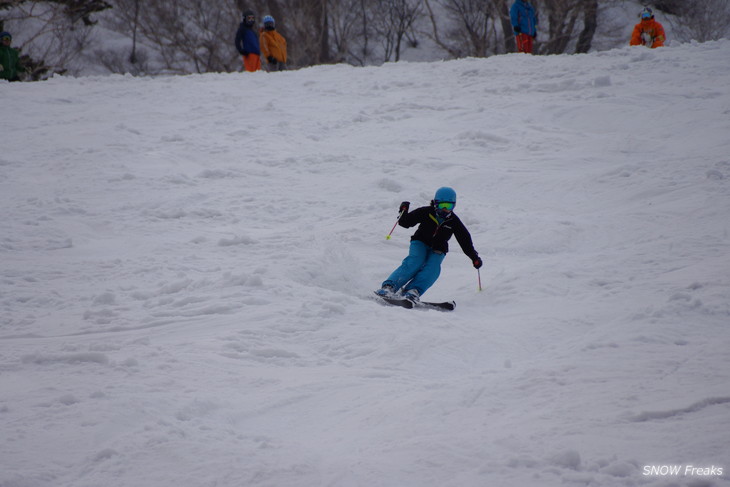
x: 700, y: 20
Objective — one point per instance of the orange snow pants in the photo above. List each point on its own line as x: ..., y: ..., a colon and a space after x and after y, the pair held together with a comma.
x: 252, y: 62
x: 524, y: 43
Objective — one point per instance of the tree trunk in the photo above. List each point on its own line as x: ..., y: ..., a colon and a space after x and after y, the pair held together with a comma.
x: 324, y: 43
x: 133, y: 56
x: 509, y: 36
x: 590, y: 23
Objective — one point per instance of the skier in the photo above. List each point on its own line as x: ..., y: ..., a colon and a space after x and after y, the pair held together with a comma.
x: 10, y: 66
x: 524, y: 23
x: 247, y: 42
x: 273, y: 45
x: 429, y: 245
x: 648, y: 32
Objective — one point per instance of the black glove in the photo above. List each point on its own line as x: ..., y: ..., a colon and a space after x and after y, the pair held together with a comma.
x: 477, y: 262
x: 404, y: 207
x: 517, y: 29
x: 535, y: 36
x: 271, y: 59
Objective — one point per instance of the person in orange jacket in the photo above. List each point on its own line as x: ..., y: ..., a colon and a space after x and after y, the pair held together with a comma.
x: 273, y: 46
x: 648, y: 32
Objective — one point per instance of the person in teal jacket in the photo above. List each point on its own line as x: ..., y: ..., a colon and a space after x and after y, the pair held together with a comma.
x: 10, y: 66
x: 524, y: 23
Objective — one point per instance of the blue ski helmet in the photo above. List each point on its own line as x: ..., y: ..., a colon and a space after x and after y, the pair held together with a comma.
x: 268, y: 19
x: 444, y: 201
x: 445, y: 194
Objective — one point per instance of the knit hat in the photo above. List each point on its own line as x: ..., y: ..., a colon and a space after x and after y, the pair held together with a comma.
x: 5, y: 34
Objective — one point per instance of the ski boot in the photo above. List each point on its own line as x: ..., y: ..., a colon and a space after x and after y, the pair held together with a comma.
x: 412, y: 295
x: 386, y: 291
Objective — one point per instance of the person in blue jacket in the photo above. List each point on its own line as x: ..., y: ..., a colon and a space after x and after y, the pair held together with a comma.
x: 437, y: 223
x: 247, y: 42
x: 524, y: 23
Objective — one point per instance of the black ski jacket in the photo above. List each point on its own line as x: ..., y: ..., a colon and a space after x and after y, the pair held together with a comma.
x: 436, y: 235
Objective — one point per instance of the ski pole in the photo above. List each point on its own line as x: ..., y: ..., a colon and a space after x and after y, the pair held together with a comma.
x: 479, y: 278
x: 387, y: 237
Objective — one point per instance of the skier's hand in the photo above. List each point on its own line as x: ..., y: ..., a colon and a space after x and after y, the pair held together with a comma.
x: 271, y: 59
x: 517, y: 29
x: 477, y: 262
x: 2, y: 68
x: 404, y: 207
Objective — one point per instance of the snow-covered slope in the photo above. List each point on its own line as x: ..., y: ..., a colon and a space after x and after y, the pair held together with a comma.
x: 186, y: 265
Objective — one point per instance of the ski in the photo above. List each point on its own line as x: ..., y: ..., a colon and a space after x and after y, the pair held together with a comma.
x: 444, y: 306
x: 405, y: 303
x: 395, y: 301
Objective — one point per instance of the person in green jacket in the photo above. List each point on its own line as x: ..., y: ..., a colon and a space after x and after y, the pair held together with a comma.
x: 10, y: 66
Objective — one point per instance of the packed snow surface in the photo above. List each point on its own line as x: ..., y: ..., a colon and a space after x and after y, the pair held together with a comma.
x: 187, y: 266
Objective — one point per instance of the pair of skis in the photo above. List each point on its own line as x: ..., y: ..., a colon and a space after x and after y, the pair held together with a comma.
x: 408, y: 304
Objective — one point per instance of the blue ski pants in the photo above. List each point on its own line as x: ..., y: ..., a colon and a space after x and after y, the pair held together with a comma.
x: 417, y: 271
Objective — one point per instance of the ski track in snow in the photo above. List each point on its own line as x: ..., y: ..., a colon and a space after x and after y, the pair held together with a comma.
x: 187, y: 263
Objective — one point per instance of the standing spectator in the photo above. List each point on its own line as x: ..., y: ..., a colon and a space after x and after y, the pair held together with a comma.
x: 273, y: 46
x: 648, y: 32
x: 524, y: 23
x: 247, y: 42
x: 10, y: 66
